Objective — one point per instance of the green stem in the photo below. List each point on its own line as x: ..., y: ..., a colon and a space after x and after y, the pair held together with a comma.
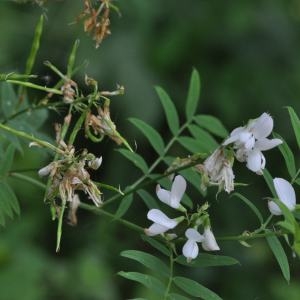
x: 13, y: 76
x: 251, y: 236
x: 31, y: 138
x: 171, y: 274
x: 295, y: 177
x: 28, y: 179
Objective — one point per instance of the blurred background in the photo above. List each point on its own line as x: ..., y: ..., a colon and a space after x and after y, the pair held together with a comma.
x: 247, y: 53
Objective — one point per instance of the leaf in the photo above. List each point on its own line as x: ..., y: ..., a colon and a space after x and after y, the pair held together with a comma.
x: 288, y: 156
x: 151, y: 134
x: 193, y: 145
x: 211, y: 124
x: 135, y: 158
x: 7, y: 160
x: 195, y: 289
x: 8, y: 99
x: 148, y: 260
x: 250, y: 205
x: 295, y: 123
x: 269, y: 180
x: 170, y: 110
x: 193, y: 95
x: 148, y: 199
x: 204, y: 137
x: 124, y: 206
x: 156, y: 244
x: 280, y: 255
x: 147, y: 280
x: 208, y: 260
x: 174, y: 296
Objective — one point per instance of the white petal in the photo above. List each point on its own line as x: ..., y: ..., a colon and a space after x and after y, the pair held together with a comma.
x: 234, y: 136
x: 274, y: 208
x: 285, y: 192
x: 193, y: 235
x: 163, y: 195
x: 262, y: 126
x: 190, y: 249
x: 177, y: 191
x: 256, y: 161
x: 160, y: 218
x: 156, y: 229
x: 246, y: 140
x: 267, y: 144
x: 209, y: 243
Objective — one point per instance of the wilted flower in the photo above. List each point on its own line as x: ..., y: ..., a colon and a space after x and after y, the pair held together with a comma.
x: 250, y: 140
x: 95, y: 163
x: 286, y: 195
x: 72, y: 214
x: 69, y: 91
x: 218, y: 168
x: 173, y: 197
x: 190, y: 249
x: 209, y: 242
x: 161, y: 224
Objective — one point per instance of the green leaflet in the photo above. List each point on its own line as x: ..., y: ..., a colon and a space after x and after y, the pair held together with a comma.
x: 151, y: 134
x: 269, y: 180
x: 295, y: 123
x: 148, y: 260
x: 8, y: 99
x: 211, y: 124
x: 169, y: 109
x: 174, y: 296
x: 135, y: 158
x: 156, y: 244
x: 208, y: 260
x: 250, y: 205
x: 193, y: 145
x: 7, y: 160
x: 288, y: 156
x: 280, y: 256
x: 148, y: 199
x: 124, y: 206
x: 147, y: 280
x: 193, y: 95
x: 195, y: 289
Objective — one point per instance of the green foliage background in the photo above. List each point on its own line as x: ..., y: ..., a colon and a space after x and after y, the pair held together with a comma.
x: 247, y: 53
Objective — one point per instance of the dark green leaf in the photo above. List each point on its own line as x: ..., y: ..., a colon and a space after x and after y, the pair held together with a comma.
x: 250, y: 205
x: 135, y: 158
x: 156, y: 244
x: 204, y: 137
x: 148, y: 199
x: 288, y: 156
x: 280, y: 255
x: 195, y: 289
x: 148, y: 281
x: 211, y: 124
x: 193, y: 145
x: 8, y: 99
x: 7, y: 160
x: 208, y: 260
x: 269, y: 180
x: 174, y: 296
x: 193, y: 95
x: 170, y: 110
x: 124, y: 206
x: 151, y: 134
x: 295, y: 123
x: 148, y: 260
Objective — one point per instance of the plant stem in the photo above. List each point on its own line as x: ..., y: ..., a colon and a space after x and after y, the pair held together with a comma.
x: 171, y: 274
x: 28, y: 179
x: 251, y: 236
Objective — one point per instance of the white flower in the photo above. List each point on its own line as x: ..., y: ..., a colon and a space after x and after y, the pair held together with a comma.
x: 173, y: 197
x: 219, y: 169
x: 95, y: 163
x: 209, y: 242
x: 161, y: 224
x: 190, y: 249
x: 251, y: 140
x: 286, y: 195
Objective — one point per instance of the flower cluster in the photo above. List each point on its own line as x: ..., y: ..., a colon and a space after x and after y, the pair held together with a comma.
x: 162, y: 223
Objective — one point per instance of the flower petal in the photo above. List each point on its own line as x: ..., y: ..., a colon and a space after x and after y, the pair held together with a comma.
x: 163, y: 195
x: 209, y: 243
x: 262, y: 126
x: 156, y: 229
x: 234, y: 136
x: 177, y: 191
x: 193, y: 235
x: 267, y: 144
x: 160, y: 218
x: 285, y: 192
x: 274, y: 208
x: 190, y: 249
x: 256, y: 161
